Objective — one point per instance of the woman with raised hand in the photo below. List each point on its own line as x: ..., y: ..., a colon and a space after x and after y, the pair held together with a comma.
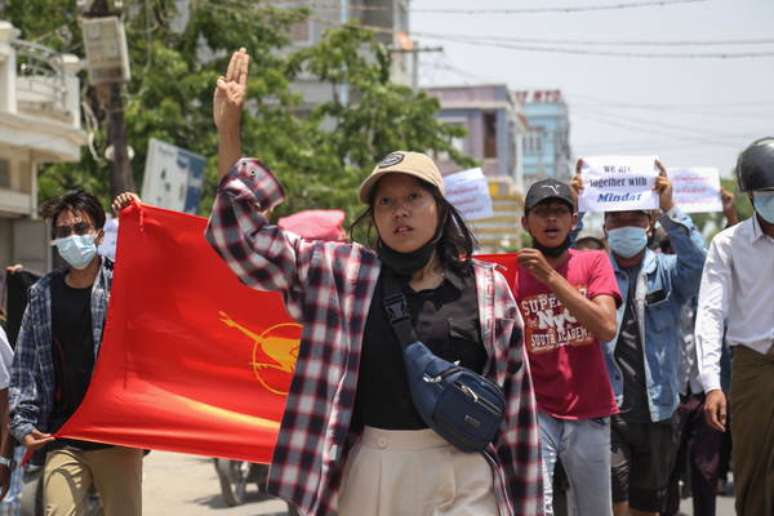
x: 351, y: 440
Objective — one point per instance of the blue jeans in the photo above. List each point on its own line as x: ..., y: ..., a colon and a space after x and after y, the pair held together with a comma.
x: 11, y: 504
x: 584, y: 448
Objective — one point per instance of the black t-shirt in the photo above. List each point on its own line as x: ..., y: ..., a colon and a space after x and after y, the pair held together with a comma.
x: 630, y: 358
x: 73, y: 351
x: 445, y: 319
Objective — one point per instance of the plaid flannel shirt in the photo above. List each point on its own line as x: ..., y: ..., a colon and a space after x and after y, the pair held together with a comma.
x: 31, y: 394
x: 328, y: 287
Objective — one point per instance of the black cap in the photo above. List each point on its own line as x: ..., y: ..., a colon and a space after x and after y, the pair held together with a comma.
x: 548, y: 189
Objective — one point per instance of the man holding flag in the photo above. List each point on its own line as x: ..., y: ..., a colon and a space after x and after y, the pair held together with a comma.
x: 57, y: 346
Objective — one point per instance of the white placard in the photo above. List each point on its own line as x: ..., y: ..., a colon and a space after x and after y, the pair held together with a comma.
x: 110, y: 240
x: 618, y: 183
x: 468, y: 191
x: 696, y: 189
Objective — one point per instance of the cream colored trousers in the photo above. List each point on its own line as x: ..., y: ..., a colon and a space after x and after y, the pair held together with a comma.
x: 116, y: 472
x: 414, y: 473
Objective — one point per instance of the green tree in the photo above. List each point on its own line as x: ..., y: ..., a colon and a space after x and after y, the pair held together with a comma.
x: 321, y: 155
x: 716, y: 222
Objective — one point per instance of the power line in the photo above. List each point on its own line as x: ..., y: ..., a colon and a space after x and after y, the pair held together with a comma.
x: 759, y: 116
x: 565, y: 50
x: 608, y: 102
x: 605, y: 53
x: 597, y: 42
x: 329, y: 6
x: 671, y: 132
x: 664, y: 125
x: 565, y: 9
x: 321, y: 5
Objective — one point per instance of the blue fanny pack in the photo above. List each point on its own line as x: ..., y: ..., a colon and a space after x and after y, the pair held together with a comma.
x: 461, y: 406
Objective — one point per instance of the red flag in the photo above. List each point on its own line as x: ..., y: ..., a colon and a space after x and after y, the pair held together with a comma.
x: 506, y: 262
x: 192, y: 360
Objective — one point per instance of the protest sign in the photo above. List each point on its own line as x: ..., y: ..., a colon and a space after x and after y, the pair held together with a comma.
x: 110, y: 239
x: 618, y: 183
x: 696, y: 189
x: 468, y: 191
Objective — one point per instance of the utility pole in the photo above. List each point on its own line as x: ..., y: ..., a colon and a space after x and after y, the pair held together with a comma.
x: 415, y: 60
x: 111, y: 100
x: 121, y: 179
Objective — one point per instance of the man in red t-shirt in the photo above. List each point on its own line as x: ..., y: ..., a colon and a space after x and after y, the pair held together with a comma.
x: 568, y: 299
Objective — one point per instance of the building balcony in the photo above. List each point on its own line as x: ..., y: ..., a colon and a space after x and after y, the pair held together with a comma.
x: 39, y: 99
x: 14, y: 203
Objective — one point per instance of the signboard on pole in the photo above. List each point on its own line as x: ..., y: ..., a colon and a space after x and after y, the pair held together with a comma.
x: 468, y: 191
x: 173, y: 177
x: 696, y: 189
x: 618, y: 183
x: 107, y: 54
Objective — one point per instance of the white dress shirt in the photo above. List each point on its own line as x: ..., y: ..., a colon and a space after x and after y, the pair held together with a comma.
x: 6, y: 359
x: 737, y: 291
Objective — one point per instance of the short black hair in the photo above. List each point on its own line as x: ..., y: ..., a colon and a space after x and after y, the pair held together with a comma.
x: 76, y: 200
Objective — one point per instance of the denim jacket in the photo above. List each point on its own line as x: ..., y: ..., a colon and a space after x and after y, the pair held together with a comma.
x: 31, y: 393
x: 664, y: 285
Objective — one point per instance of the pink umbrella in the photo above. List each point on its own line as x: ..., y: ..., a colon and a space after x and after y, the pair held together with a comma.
x: 316, y: 224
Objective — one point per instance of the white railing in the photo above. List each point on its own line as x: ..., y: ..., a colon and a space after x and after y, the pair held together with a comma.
x: 41, y: 78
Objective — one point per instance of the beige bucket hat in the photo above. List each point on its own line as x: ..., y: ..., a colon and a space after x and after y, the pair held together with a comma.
x: 414, y: 164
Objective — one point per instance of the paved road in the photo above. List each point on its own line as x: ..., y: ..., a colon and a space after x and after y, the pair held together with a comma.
x: 725, y: 506
x: 176, y: 484
x: 183, y: 485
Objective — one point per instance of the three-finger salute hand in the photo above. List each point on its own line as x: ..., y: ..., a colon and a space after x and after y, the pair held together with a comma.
x: 230, y: 92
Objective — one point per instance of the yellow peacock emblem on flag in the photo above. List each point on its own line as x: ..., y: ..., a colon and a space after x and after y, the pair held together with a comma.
x: 276, y: 348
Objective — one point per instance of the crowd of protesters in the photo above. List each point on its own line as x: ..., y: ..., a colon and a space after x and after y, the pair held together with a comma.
x: 622, y: 358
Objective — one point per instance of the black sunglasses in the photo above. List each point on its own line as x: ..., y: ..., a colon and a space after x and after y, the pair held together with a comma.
x: 79, y: 228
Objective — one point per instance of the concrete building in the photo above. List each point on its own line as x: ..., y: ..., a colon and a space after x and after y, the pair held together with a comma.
x: 547, y: 145
x: 40, y: 122
x: 388, y: 18
x: 496, y: 130
x: 496, y: 127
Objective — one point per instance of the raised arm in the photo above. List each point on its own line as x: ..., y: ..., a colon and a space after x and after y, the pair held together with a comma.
x: 261, y: 255
x: 227, y: 103
x: 686, y: 240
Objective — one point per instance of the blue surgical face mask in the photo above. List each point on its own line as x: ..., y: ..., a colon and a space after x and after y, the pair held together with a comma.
x: 77, y: 250
x: 764, y: 205
x: 627, y: 241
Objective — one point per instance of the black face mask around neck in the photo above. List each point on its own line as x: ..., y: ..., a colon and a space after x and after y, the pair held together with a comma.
x: 552, y: 252
x: 406, y: 264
